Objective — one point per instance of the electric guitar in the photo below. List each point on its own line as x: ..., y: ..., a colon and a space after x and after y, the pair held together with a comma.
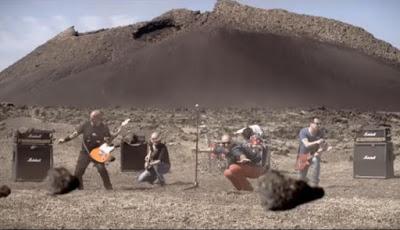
x: 304, y: 160
x: 147, y: 159
x: 149, y: 162
x: 102, y: 154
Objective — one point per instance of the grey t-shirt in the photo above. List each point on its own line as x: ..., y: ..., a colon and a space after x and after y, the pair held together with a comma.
x: 304, y: 133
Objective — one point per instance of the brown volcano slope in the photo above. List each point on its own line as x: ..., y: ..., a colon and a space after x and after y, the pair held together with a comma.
x: 184, y: 57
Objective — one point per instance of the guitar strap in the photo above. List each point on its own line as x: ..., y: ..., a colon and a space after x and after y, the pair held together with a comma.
x: 86, y: 148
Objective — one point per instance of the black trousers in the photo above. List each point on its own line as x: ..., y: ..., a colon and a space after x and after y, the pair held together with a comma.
x: 83, y: 162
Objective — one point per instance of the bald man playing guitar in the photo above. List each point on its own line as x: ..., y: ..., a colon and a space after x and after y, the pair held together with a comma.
x: 95, y: 133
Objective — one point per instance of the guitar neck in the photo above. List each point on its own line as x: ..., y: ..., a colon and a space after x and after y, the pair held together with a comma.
x: 113, y: 136
x: 149, y: 152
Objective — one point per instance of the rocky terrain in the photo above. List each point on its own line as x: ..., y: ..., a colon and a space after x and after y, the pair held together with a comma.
x: 348, y: 202
x: 244, y: 66
x: 235, y: 55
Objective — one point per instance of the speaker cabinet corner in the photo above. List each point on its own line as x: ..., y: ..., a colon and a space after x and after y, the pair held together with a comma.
x: 373, y: 160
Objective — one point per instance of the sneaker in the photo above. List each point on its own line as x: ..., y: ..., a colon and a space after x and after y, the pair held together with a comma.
x: 161, y: 183
x: 148, y: 180
x: 237, y: 192
x: 243, y: 159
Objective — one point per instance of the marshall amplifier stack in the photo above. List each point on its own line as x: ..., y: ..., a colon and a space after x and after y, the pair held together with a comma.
x: 133, y: 152
x: 32, y: 154
x: 373, y: 153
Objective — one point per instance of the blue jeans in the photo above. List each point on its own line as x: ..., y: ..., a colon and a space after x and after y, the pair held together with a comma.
x: 155, y: 172
x: 315, y: 169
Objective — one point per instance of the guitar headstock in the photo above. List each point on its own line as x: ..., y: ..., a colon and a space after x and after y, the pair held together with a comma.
x: 125, y: 122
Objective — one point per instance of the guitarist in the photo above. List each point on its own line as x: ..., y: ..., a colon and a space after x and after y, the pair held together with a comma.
x: 95, y: 133
x: 312, y: 144
x: 243, y: 163
x: 156, y: 162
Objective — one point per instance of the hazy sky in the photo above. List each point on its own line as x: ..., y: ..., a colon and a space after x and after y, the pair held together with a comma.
x: 26, y: 24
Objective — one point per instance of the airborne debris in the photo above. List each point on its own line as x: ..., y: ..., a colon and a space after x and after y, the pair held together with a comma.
x: 4, y: 191
x: 278, y: 192
x: 61, y: 181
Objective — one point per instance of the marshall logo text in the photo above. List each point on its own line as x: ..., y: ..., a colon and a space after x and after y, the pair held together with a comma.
x: 34, y: 160
x: 369, y: 134
x: 35, y: 135
x: 366, y: 157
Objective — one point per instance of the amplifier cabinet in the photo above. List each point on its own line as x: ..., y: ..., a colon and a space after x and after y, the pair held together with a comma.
x: 373, y: 134
x: 132, y: 156
x: 32, y: 134
x: 31, y: 161
x: 373, y: 160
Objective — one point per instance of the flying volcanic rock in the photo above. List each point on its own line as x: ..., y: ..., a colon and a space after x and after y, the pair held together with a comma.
x: 61, y: 181
x: 4, y: 191
x: 234, y: 55
x: 279, y: 193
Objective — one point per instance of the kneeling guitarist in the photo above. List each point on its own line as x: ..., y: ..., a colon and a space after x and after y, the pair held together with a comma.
x: 95, y: 133
x: 156, y: 162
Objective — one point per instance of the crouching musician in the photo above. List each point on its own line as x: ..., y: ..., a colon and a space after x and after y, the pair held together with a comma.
x: 157, y: 161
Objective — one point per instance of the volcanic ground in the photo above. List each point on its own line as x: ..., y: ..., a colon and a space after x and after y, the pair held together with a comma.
x: 348, y: 202
x: 244, y: 66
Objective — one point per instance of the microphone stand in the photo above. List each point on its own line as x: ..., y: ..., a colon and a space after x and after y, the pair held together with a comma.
x: 196, y: 183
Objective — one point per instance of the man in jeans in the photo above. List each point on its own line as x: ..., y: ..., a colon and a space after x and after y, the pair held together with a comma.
x: 95, y: 133
x: 242, y: 163
x: 312, y: 144
x: 156, y: 162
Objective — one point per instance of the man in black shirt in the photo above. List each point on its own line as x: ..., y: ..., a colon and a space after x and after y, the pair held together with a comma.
x: 95, y: 133
x: 157, y: 161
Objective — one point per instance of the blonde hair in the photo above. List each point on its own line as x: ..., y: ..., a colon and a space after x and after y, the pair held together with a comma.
x: 155, y: 136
